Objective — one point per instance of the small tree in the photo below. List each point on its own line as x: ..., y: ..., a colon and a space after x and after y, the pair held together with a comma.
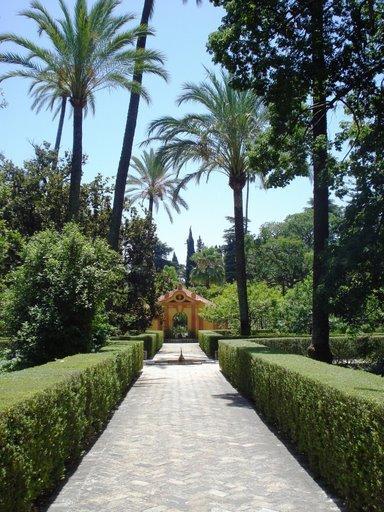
x: 189, y: 264
x: 55, y: 304
x: 166, y: 280
x: 134, y: 300
x: 209, y: 267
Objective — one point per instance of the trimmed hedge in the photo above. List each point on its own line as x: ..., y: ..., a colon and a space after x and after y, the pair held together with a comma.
x: 209, y: 340
x: 49, y: 414
x: 344, y: 348
x: 150, y: 339
x: 159, y: 338
x: 334, y: 415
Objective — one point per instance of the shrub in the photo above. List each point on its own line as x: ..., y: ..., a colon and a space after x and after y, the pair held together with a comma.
x: 159, y: 338
x: 55, y: 304
x: 49, y: 413
x: 334, y: 415
x: 153, y: 341
x: 264, y: 307
x: 344, y: 348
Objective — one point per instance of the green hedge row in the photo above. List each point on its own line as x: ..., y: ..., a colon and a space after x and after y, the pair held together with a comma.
x: 160, y: 338
x: 334, y: 415
x: 153, y: 341
x: 209, y: 340
x: 49, y: 414
x: 344, y: 348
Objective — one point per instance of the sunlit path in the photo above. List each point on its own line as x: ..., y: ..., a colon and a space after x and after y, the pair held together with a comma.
x: 184, y: 440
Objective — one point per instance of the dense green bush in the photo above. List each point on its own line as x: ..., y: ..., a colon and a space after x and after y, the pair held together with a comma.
x: 334, y: 415
x: 54, y: 306
x: 49, y: 413
x: 265, y: 305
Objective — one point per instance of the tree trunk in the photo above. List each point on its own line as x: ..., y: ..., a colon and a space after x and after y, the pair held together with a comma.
x: 319, y: 348
x: 150, y: 207
x: 61, y: 124
x: 241, y: 274
x: 77, y: 158
x: 247, y: 207
x: 126, y: 152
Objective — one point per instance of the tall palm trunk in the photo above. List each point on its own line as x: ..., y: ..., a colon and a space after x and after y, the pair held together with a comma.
x: 241, y: 274
x: 247, y: 206
x: 126, y: 152
x: 61, y: 124
x: 319, y: 348
x: 150, y: 206
x: 77, y: 157
x: 60, y: 129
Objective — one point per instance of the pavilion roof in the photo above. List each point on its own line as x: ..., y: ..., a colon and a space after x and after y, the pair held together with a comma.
x: 169, y: 296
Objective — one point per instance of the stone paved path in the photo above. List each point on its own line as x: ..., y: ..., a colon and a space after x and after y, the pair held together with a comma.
x: 184, y: 440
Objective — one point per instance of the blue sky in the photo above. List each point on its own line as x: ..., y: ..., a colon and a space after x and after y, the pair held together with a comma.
x: 181, y: 35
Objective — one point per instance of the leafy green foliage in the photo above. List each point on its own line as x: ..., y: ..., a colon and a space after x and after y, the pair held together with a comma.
x: 357, y: 269
x: 11, y: 243
x: 133, y: 303
x: 34, y: 197
x: 166, y: 280
x: 55, y: 305
x: 334, y: 415
x: 156, y: 182
x: 49, y: 414
x: 264, y: 307
x: 208, y: 267
x: 279, y: 261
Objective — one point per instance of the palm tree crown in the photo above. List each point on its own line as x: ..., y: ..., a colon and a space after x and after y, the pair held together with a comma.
x: 90, y: 51
x: 209, y: 267
x: 155, y: 182
x: 217, y: 139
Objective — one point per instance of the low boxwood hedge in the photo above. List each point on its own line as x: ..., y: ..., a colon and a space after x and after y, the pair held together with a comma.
x: 334, y: 415
x: 209, y: 340
x: 159, y: 338
x: 152, y: 341
x: 344, y: 348
x: 49, y: 414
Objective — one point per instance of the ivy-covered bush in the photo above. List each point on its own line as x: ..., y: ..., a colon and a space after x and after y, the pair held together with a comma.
x: 49, y: 413
x: 54, y: 306
x: 334, y: 415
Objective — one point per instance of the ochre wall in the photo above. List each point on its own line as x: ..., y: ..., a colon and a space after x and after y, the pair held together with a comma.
x: 191, y: 309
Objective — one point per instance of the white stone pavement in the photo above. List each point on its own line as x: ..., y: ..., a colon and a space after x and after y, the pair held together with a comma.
x: 183, y: 439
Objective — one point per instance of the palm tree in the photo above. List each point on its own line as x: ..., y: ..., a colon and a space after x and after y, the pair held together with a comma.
x: 49, y: 90
x: 218, y: 140
x: 155, y: 182
x: 129, y: 135
x: 91, y: 50
x: 209, y: 267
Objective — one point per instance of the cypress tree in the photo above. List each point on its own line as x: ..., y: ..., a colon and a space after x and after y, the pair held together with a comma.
x: 189, y: 265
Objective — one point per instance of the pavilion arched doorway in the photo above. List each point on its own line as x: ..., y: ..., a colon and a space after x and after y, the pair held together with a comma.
x: 180, y: 325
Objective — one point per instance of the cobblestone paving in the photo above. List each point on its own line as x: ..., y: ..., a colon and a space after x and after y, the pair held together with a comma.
x: 184, y: 440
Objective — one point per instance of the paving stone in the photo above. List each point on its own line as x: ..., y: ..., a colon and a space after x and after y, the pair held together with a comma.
x: 184, y: 440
